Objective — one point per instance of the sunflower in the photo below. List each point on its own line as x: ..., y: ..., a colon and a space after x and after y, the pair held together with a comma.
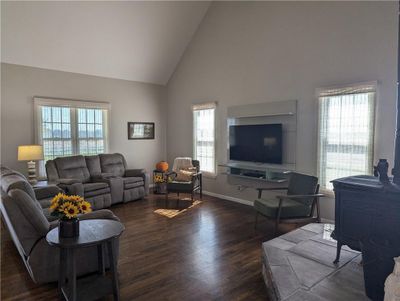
x: 85, y: 207
x: 55, y: 202
x: 70, y: 210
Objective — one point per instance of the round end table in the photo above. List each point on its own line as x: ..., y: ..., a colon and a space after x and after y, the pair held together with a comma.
x: 96, y: 232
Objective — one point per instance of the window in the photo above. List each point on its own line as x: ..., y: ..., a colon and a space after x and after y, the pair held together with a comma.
x: 204, y: 136
x: 66, y: 128
x: 346, y: 132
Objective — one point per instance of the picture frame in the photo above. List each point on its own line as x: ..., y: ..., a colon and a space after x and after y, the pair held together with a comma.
x: 141, y: 130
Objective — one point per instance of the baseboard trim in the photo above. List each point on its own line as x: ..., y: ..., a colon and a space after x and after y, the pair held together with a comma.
x: 327, y: 221
x: 229, y: 198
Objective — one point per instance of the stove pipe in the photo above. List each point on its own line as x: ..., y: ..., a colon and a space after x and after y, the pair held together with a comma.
x: 396, y: 169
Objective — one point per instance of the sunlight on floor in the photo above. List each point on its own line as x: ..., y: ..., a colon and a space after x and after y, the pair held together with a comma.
x: 171, y: 213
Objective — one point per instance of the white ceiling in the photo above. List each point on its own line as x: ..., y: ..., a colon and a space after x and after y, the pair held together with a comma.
x: 139, y: 41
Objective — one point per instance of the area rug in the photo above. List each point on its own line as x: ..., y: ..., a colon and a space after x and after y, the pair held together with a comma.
x: 171, y: 213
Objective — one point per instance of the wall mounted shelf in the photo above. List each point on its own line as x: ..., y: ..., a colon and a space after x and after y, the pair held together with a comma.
x: 267, y: 173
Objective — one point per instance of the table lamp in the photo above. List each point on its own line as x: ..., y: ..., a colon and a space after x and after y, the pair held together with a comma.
x: 30, y: 153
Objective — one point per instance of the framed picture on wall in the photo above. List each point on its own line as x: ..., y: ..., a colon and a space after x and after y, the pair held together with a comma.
x: 140, y: 130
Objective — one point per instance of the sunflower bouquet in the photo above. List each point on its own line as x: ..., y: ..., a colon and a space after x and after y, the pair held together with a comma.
x: 68, y: 206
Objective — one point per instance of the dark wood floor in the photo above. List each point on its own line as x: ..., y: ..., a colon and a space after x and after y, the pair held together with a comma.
x: 208, y: 252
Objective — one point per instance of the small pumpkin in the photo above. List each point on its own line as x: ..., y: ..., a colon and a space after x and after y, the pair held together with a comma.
x: 162, y: 166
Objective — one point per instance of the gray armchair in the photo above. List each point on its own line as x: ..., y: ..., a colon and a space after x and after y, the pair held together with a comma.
x: 297, y: 206
x: 25, y: 216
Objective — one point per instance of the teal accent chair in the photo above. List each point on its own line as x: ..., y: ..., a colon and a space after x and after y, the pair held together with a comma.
x: 297, y: 206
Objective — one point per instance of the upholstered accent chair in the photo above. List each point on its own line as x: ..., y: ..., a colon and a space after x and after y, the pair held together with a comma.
x: 297, y: 206
x: 193, y: 185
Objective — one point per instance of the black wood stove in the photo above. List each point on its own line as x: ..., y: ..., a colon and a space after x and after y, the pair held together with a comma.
x: 367, y: 217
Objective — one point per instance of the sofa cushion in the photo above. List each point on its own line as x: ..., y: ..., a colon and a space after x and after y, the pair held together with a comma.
x: 290, y: 208
x: 32, y: 211
x: 133, y: 185
x: 93, y: 165
x: 130, y: 180
x: 94, y: 186
x: 16, y: 181
x: 73, y: 167
x: 113, y: 163
x: 51, y: 171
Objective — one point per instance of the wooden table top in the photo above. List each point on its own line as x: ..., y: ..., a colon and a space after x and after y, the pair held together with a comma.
x: 91, y: 232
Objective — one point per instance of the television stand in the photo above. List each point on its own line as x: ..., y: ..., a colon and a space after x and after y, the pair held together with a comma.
x: 267, y: 173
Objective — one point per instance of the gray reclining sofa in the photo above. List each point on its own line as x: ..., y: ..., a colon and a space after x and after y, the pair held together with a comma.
x: 24, y: 210
x: 103, y: 180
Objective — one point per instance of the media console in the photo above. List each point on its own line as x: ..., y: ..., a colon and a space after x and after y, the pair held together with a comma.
x: 263, y: 173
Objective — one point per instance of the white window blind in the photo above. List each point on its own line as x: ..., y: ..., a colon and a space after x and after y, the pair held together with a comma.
x: 204, y: 136
x: 66, y: 128
x: 346, y: 132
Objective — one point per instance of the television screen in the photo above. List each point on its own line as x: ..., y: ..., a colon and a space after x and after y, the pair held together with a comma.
x: 256, y: 143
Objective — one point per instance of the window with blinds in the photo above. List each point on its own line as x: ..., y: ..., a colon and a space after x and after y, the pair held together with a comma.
x: 204, y: 136
x: 66, y: 128
x: 346, y: 132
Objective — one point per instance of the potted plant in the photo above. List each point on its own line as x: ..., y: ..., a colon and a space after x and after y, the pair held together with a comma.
x: 66, y: 208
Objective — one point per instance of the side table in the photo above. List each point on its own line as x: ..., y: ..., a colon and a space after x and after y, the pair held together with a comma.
x: 160, y: 179
x: 97, y: 232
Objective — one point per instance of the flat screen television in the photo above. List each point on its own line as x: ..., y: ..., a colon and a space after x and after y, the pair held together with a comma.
x: 256, y: 143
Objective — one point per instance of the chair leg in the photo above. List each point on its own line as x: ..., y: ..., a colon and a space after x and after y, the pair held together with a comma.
x: 318, y: 212
x: 166, y: 200
x: 256, y: 221
x: 276, y: 225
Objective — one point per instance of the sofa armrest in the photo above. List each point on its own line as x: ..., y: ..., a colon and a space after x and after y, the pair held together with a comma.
x: 73, y: 188
x: 98, y: 214
x: 47, y: 192
x: 135, y: 172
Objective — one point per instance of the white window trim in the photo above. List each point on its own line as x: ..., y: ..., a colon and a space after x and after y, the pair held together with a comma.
x: 205, y: 106
x: 341, y: 89
x: 38, y: 102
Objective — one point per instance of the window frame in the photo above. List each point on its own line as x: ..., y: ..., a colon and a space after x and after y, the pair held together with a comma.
x: 73, y: 105
x: 340, y: 91
x: 199, y: 107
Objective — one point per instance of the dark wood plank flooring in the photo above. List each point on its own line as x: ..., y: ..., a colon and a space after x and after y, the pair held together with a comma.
x: 209, y: 252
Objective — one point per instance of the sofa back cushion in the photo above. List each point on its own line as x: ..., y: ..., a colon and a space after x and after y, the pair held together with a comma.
x: 51, y: 171
x: 16, y: 181
x: 73, y: 167
x: 93, y: 165
x: 27, y: 218
x: 113, y: 163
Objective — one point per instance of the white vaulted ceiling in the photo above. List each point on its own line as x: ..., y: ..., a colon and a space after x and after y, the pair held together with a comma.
x: 139, y: 41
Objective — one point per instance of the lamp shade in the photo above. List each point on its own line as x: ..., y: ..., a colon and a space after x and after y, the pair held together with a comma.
x: 30, y: 152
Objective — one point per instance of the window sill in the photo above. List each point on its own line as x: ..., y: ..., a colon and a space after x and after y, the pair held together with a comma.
x: 329, y: 193
x: 209, y: 175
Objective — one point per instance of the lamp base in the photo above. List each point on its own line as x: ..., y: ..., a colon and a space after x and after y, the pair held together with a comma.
x: 32, y: 172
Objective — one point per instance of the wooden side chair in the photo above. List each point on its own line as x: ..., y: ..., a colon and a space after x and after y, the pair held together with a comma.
x: 297, y: 206
x: 194, y: 185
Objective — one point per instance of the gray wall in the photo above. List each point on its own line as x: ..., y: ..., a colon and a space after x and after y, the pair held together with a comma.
x: 130, y: 101
x: 273, y: 51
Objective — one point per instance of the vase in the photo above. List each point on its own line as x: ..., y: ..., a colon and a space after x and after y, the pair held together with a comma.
x: 392, y: 283
x: 69, y: 228
x: 381, y: 170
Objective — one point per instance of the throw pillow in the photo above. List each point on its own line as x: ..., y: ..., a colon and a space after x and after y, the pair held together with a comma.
x: 184, y: 176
